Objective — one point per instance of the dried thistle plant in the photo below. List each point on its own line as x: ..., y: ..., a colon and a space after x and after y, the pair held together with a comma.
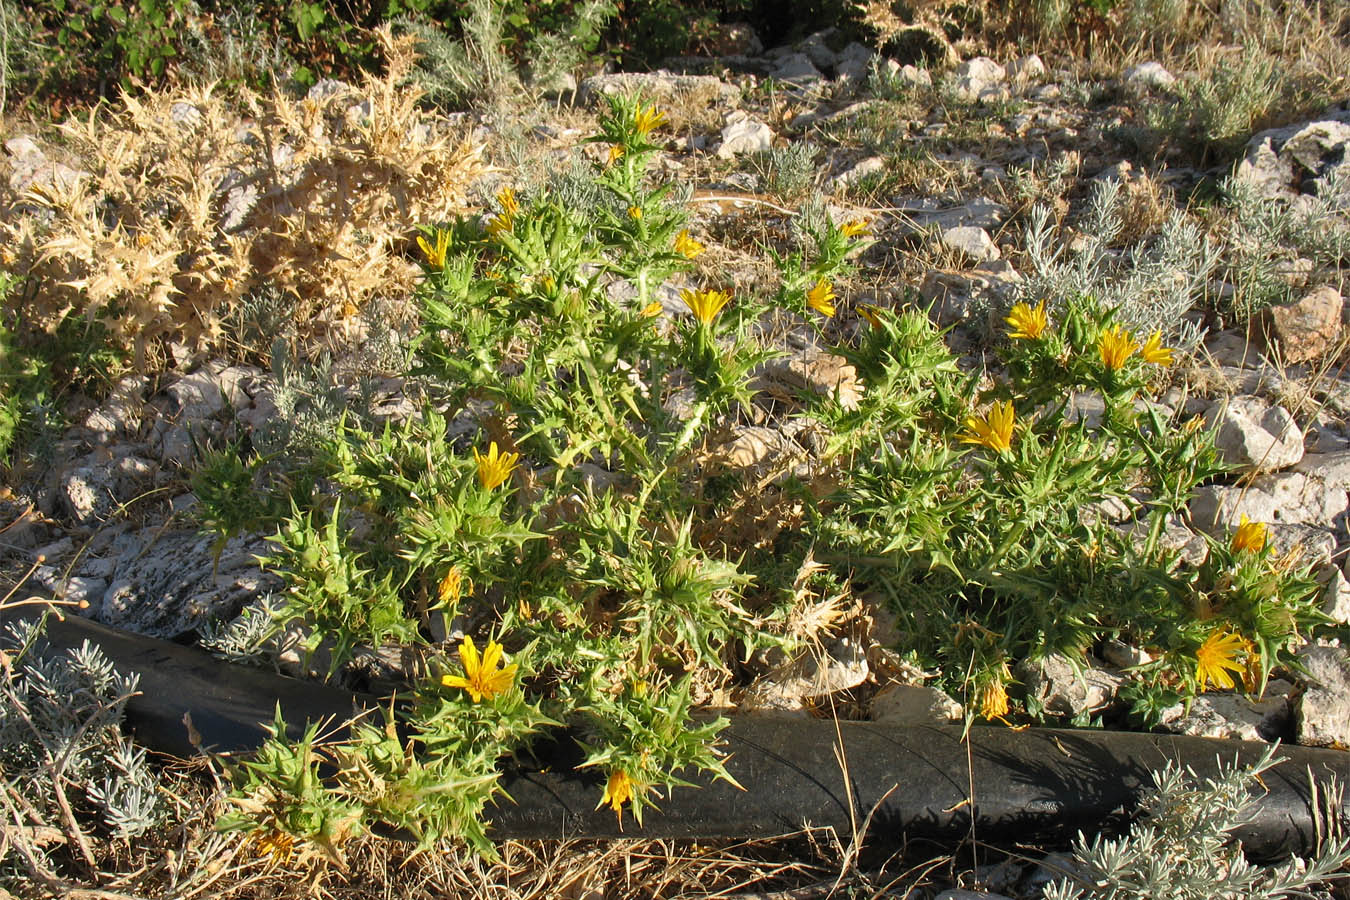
x: 182, y: 209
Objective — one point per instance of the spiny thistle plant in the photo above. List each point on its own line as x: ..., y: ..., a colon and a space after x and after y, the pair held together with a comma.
x: 569, y: 542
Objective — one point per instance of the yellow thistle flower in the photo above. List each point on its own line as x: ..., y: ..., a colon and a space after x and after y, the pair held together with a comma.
x: 481, y: 677
x: 494, y: 468
x: 871, y: 313
x: 1115, y: 346
x: 686, y: 246
x: 435, y: 253
x: 276, y: 845
x: 451, y: 586
x: 821, y: 298
x: 1027, y: 323
x: 620, y: 789
x: 1250, y: 537
x: 993, y: 431
x: 506, y: 220
x: 993, y: 697
x: 647, y: 119
x: 705, y: 305
x: 615, y: 154
x: 855, y: 228
x: 652, y: 310
x: 1154, y: 352
x: 1217, y: 657
x: 635, y: 212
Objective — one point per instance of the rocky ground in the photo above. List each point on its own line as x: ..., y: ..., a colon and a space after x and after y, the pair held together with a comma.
x: 947, y: 166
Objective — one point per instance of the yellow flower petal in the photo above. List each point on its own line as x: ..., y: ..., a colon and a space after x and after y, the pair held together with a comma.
x: 493, y: 467
x: 705, y: 305
x: 821, y: 298
x: 1027, y: 323
x: 1250, y: 537
x: 1216, y: 657
x: 1154, y: 352
x: 994, y: 431
x: 1116, y: 345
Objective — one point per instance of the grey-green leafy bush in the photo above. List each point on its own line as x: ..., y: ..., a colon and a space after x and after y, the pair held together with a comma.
x: 1150, y: 285
x: 60, y: 717
x: 1183, y: 848
x: 476, y: 69
x: 1267, y: 235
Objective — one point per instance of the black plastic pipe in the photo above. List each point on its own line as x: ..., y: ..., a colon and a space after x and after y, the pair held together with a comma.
x: 1035, y: 785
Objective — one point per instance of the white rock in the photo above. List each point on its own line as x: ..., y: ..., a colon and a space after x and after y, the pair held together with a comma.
x: 1254, y: 435
x: 745, y: 136
x: 817, y: 50
x: 164, y: 584
x: 956, y: 894
x: 796, y: 68
x: 854, y: 62
x: 1336, y: 598
x: 1062, y: 689
x: 844, y: 666
x: 869, y: 166
x: 981, y: 68
x: 1026, y: 70
x: 915, y: 704
x: 1322, y: 714
x: 919, y: 78
x: 1333, y: 469
x: 1149, y: 75
x: 970, y: 241
x: 1233, y: 716
x: 1286, y: 498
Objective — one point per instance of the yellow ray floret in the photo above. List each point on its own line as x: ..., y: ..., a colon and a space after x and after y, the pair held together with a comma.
x: 1116, y: 345
x: 1217, y: 656
x: 686, y: 246
x: 705, y: 305
x: 620, y: 789
x: 435, y: 253
x: 854, y: 228
x: 1028, y: 323
x: 481, y: 678
x: 647, y: 119
x: 1249, y: 537
x: 494, y: 468
x: 1154, y: 352
x: 821, y: 298
x: 993, y: 431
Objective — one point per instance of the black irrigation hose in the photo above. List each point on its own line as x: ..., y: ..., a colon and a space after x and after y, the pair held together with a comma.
x: 1029, y: 786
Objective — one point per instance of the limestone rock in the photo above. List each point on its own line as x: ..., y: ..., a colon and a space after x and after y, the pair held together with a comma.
x: 1233, y: 716
x: 979, y: 80
x: 1332, y: 469
x: 657, y: 87
x: 1287, y: 498
x: 854, y: 63
x: 796, y: 68
x: 744, y: 135
x: 162, y: 583
x: 861, y: 169
x: 817, y: 371
x: 1026, y: 70
x: 1336, y: 598
x: 1060, y: 688
x: 1322, y: 713
x: 915, y: 704
x: 843, y: 666
x: 1284, y: 162
x: 973, y: 243
x: 1254, y: 435
x: 956, y: 894
x: 1304, y: 330
x: 757, y: 446
x: 1149, y: 74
